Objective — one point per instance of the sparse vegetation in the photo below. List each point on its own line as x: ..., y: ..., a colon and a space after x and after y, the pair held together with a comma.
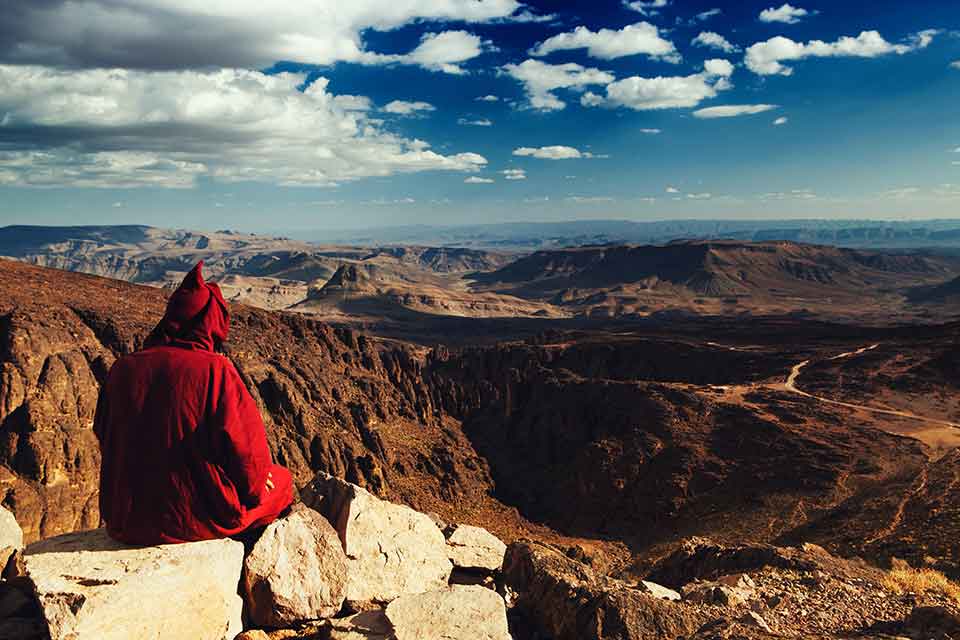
x: 902, y: 578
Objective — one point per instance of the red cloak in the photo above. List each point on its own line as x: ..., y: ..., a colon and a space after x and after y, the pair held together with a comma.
x: 184, y: 449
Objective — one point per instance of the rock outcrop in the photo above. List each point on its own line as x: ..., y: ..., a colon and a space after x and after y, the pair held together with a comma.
x: 454, y: 613
x: 474, y: 548
x: 296, y: 571
x: 11, y: 537
x: 566, y: 600
x: 391, y: 549
x: 90, y: 587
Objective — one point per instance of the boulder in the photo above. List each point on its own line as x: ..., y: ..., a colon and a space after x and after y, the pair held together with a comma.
x: 658, y: 591
x: 391, y: 549
x: 566, y: 600
x: 713, y: 593
x: 11, y: 537
x: 454, y: 613
x: 93, y: 588
x: 474, y: 548
x: 296, y: 572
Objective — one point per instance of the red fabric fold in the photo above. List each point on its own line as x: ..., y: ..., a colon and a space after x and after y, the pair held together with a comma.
x: 184, y: 450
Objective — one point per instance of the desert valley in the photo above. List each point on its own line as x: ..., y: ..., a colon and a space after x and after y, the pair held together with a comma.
x: 623, y: 406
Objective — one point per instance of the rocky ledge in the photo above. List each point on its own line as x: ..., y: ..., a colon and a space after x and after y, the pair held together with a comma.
x: 345, y: 565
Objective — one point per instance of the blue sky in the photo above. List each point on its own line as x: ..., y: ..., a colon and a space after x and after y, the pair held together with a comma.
x: 321, y: 116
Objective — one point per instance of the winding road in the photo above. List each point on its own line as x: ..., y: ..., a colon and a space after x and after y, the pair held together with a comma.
x: 791, y: 385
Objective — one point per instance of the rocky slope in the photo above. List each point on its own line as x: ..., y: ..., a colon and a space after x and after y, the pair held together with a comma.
x: 715, y: 276
x: 626, y: 443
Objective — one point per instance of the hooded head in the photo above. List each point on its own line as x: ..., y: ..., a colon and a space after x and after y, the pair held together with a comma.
x: 196, y: 315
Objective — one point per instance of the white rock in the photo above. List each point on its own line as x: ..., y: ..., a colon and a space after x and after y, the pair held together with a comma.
x: 391, y: 549
x: 11, y: 537
x: 93, y: 588
x: 296, y: 572
x: 474, y: 548
x: 659, y: 591
x: 454, y: 613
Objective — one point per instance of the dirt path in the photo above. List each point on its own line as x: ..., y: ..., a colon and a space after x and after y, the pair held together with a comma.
x: 791, y: 385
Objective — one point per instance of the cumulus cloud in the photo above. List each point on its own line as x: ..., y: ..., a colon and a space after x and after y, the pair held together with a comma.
x: 644, y: 94
x: 780, y: 121
x: 787, y: 14
x: 480, y: 122
x: 646, y: 7
x: 404, y: 108
x: 553, y: 152
x: 478, y: 180
x: 732, y: 110
x: 714, y: 40
x: 541, y: 79
x: 487, y: 98
x: 120, y: 128
x: 607, y: 44
x: 765, y: 58
x: 444, y: 51
x: 514, y: 174
x: 176, y: 34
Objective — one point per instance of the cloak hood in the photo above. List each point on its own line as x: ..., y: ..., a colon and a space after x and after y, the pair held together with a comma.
x: 196, y: 316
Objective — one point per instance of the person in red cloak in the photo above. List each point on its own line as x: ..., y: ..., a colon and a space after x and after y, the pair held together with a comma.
x: 184, y: 450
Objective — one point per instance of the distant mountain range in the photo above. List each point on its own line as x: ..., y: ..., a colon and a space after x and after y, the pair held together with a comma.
x: 416, y: 284
x: 527, y: 236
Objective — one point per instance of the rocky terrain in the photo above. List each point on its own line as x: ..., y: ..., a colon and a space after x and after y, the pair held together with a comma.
x: 608, y: 447
x: 416, y: 292
x: 722, y: 277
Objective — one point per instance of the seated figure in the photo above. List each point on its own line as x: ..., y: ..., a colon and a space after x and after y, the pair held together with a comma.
x: 184, y: 450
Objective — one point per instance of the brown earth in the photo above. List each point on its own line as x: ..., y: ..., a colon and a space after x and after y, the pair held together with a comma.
x: 617, y: 442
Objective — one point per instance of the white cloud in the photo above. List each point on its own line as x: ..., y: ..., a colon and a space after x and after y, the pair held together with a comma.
x: 404, y: 108
x: 487, y: 98
x: 646, y: 7
x: 444, y: 51
x: 787, y: 14
x: 539, y: 200
x: 765, y: 58
x: 780, y: 121
x: 732, y: 110
x: 699, y: 196
x: 607, y: 44
x: 478, y: 180
x: 956, y: 64
x: 514, y: 174
x: 541, y: 79
x: 672, y: 190
x: 642, y: 94
x: 481, y: 122
x: 527, y: 16
x: 650, y: 131
x: 957, y: 150
x: 182, y: 34
x: 119, y: 128
x: 714, y: 41
x: 589, y: 199
x: 703, y: 16
x: 117, y: 205
x: 554, y: 152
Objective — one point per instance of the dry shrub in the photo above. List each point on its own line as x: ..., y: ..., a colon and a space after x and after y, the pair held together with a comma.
x: 902, y: 578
